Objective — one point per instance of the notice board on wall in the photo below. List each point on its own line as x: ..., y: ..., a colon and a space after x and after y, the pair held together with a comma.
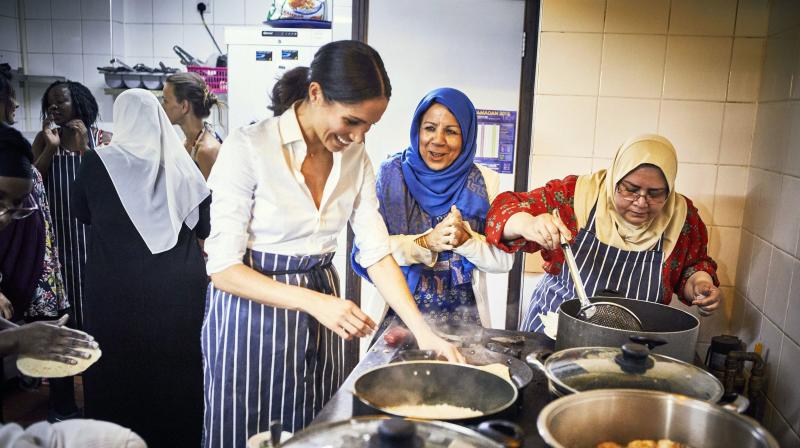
x: 497, y: 130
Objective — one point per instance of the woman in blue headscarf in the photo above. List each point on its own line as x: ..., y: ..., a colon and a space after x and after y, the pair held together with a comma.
x: 434, y: 199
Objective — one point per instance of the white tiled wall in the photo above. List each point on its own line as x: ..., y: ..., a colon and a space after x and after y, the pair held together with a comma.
x: 68, y: 38
x: 767, y: 309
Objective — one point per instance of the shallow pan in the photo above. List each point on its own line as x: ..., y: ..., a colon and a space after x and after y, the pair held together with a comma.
x: 432, y: 383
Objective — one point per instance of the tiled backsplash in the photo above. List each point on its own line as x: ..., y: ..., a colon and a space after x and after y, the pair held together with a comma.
x: 721, y: 79
x: 766, y: 306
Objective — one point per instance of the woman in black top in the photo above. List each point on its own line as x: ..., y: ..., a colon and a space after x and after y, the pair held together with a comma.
x: 145, y: 275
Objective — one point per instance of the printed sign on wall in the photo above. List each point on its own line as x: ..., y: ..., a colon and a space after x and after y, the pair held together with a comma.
x: 497, y: 130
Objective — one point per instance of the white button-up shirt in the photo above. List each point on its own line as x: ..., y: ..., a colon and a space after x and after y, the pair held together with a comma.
x: 260, y: 199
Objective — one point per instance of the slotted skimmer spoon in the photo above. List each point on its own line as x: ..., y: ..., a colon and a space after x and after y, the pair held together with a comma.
x: 606, y: 314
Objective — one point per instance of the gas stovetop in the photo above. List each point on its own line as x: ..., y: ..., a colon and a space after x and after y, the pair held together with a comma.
x: 480, y: 346
x: 534, y: 396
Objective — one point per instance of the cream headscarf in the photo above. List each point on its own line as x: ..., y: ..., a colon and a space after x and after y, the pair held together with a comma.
x: 600, y: 187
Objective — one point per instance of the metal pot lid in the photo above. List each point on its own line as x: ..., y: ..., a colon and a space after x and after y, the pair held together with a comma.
x: 382, y: 431
x: 631, y: 367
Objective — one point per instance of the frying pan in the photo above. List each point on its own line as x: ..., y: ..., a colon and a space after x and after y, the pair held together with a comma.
x: 432, y: 383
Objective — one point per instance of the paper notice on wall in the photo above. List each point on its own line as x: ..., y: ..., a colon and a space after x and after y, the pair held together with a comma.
x: 497, y: 130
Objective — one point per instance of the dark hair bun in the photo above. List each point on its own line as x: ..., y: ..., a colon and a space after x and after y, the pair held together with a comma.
x: 292, y: 86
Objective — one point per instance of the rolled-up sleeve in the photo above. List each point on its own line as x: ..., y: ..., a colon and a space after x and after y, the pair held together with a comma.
x: 487, y: 257
x: 371, y: 236
x: 232, y: 182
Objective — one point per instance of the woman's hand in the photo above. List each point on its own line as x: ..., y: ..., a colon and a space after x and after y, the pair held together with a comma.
x: 342, y: 316
x: 545, y: 229
x: 461, y: 228
x: 428, y: 340
x: 80, y: 140
x: 50, y: 133
x: 392, y: 286
x: 443, y: 237
x: 52, y: 341
x: 6, y: 309
x: 700, y: 290
x: 105, y: 138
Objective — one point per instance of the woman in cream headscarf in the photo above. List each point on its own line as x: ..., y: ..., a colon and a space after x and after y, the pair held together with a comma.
x: 147, y: 204
x: 634, y: 234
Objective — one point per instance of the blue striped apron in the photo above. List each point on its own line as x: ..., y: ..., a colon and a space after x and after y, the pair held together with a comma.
x: 262, y: 363
x: 70, y: 235
x: 633, y: 274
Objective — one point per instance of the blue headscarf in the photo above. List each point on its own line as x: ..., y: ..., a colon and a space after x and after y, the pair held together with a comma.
x: 434, y: 192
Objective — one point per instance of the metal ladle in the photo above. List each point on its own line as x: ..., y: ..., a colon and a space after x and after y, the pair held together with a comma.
x: 606, y: 314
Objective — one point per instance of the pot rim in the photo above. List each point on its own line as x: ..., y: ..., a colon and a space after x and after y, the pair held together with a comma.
x: 551, y: 409
x: 496, y: 410
x: 631, y: 332
x: 460, y: 429
x: 560, y: 385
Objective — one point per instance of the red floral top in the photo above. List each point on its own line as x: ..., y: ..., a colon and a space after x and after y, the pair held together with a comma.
x: 689, y: 255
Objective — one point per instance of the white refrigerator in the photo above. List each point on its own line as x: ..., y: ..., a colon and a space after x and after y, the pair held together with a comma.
x: 257, y: 57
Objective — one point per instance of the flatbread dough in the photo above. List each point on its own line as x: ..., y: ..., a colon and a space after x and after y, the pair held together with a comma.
x: 41, y: 368
x: 497, y: 369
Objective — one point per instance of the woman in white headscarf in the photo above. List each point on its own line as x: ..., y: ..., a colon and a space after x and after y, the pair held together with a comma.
x: 147, y: 204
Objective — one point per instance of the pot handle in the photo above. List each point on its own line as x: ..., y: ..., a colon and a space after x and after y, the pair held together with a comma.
x: 414, y: 354
x: 506, y: 433
x: 275, y: 430
x: 635, y: 358
x: 650, y: 341
x: 737, y: 403
x: 536, y: 359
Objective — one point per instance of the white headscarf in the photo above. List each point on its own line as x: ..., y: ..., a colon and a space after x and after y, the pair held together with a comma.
x: 158, y: 183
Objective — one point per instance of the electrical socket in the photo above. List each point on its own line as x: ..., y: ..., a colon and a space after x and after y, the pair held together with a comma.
x: 207, y: 13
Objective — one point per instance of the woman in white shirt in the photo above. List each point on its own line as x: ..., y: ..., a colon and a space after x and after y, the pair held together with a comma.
x: 284, y: 188
x: 434, y: 200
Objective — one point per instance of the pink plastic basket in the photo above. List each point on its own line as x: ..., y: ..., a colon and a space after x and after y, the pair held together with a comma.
x: 215, y: 77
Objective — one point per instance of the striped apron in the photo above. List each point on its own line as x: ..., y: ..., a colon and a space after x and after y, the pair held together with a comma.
x: 70, y: 235
x: 262, y: 363
x: 633, y: 274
